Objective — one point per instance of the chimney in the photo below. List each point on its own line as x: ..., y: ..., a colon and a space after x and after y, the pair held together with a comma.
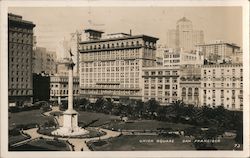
x: 130, y: 32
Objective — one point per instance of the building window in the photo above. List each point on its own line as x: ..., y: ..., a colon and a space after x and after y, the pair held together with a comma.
x: 167, y: 86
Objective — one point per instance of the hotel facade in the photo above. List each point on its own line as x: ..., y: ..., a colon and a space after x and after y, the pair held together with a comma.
x: 20, y: 49
x: 112, y: 67
x: 222, y: 85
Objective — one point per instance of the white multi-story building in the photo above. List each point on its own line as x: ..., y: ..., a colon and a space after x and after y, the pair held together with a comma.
x: 175, y: 59
x: 161, y: 84
x: 222, y: 84
x: 112, y: 67
x: 59, y: 84
x: 189, y: 66
x: 59, y: 88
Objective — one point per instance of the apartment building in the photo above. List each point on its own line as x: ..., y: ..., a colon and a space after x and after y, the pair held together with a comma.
x: 222, y: 85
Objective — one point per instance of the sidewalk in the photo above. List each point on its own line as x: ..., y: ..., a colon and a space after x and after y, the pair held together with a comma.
x: 79, y: 143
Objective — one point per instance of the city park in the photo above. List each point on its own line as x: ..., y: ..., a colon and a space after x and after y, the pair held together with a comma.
x: 131, y: 125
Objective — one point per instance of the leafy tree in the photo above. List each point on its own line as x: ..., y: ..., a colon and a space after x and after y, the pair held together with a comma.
x: 151, y: 106
x: 97, y: 106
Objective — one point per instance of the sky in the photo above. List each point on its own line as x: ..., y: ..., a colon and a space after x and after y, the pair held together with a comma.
x: 54, y: 24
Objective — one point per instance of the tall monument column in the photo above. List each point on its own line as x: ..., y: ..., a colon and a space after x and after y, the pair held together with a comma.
x: 70, y: 84
x: 70, y: 116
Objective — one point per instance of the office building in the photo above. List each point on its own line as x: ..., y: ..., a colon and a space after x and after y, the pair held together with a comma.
x: 220, y: 50
x: 222, y: 85
x: 184, y: 36
x: 161, y: 84
x: 44, y: 61
x: 176, y: 58
x: 20, y: 49
x: 112, y: 67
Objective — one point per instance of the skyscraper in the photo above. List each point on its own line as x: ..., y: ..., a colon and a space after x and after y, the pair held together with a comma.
x: 20, y: 48
x: 184, y: 36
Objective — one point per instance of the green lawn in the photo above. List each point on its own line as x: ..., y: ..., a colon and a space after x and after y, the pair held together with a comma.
x: 147, y: 125
x: 88, y: 117
x: 43, y: 145
x: 17, y: 138
x: 27, y: 117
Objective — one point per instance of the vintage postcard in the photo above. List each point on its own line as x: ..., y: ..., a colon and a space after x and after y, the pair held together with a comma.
x: 124, y: 79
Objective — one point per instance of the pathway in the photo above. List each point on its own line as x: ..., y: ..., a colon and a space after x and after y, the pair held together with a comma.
x: 79, y: 143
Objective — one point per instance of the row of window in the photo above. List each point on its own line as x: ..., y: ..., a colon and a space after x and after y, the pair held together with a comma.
x: 20, y: 73
x: 108, y: 75
x: 111, y: 55
x: 117, y: 45
x: 190, y: 91
x: 18, y: 85
x: 63, y: 85
x: 21, y: 31
x: 21, y: 67
x: 109, y: 92
x: 17, y: 79
x: 152, y: 73
x: 122, y: 80
x: 160, y: 80
x: 19, y: 46
x: 160, y: 86
x: 221, y: 78
x: 221, y: 91
x: 111, y: 69
x: 171, y: 55
x: 56, y: 79
x: 20, y: 92
x: 61, y: 92
x: 221, y: 85
x: 222, y: 71
x: 121, y: 86
x: 111, y: 63
x: 19, y: 60
x: 21, y: 41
